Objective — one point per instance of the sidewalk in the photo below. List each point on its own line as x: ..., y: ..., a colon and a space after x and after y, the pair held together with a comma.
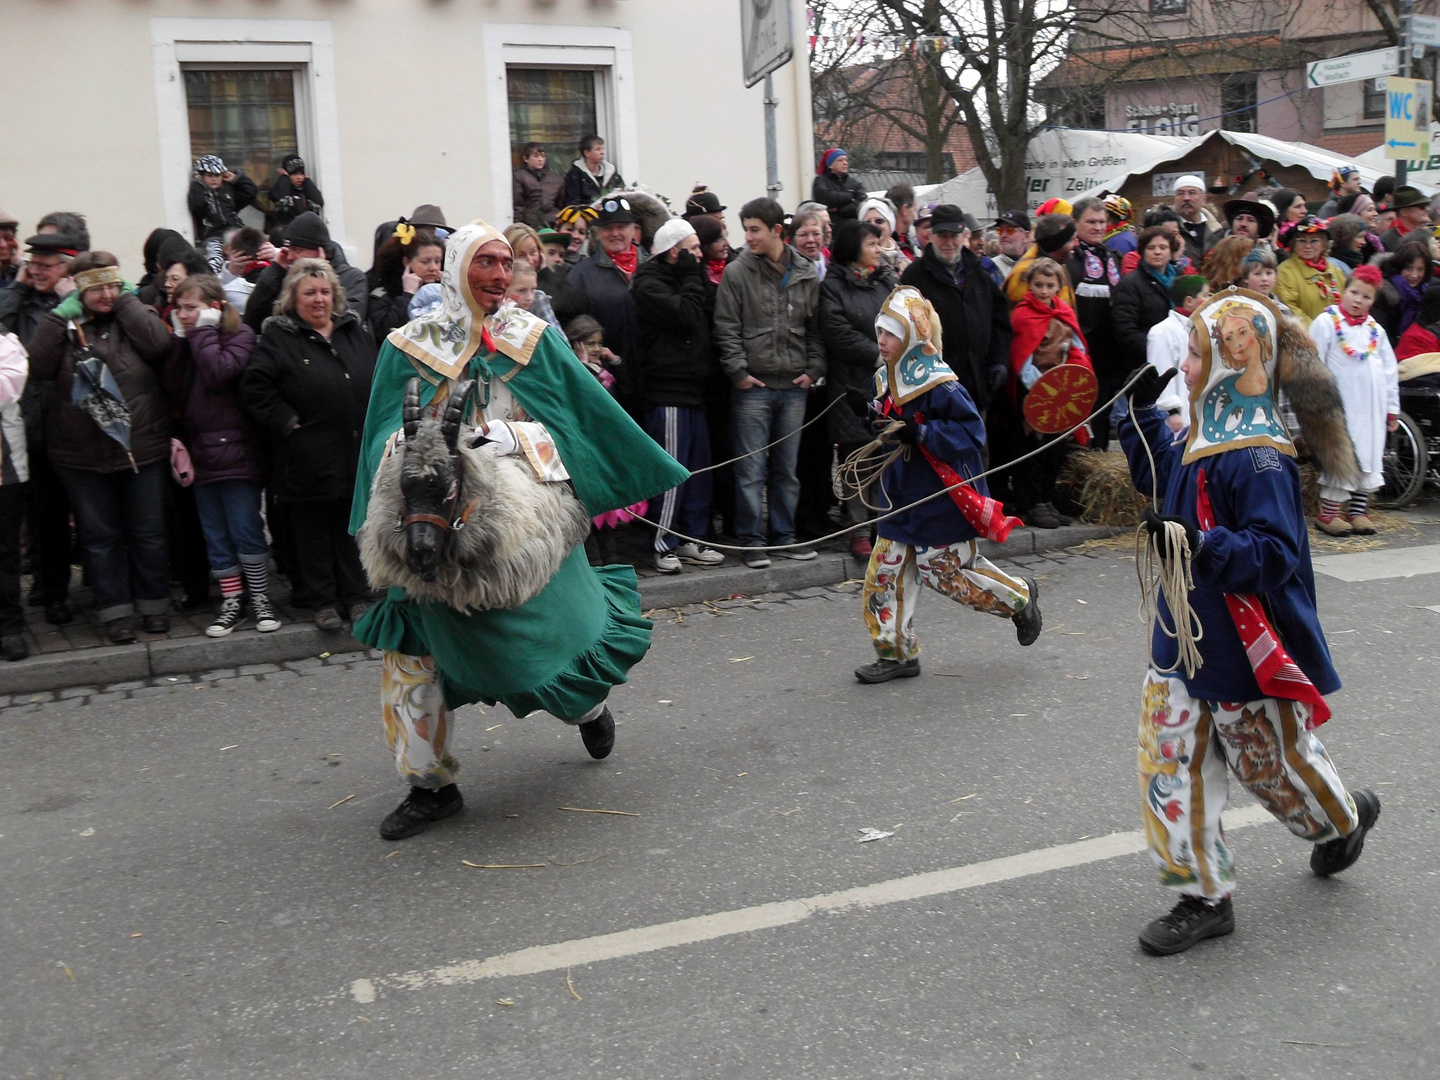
x: 78, y: 655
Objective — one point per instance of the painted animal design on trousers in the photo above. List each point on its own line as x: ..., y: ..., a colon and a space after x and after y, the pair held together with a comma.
x: 1259, y: 762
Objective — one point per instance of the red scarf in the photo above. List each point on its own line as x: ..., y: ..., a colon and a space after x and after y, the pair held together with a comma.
x: 714, y: 269
x: 1029, y: 321
x: 1322, y: 266
x: 627, y: 261
x: 1354, y: 320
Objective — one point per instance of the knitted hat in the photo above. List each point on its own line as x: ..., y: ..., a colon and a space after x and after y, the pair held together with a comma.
x: 708, y: 230
x: 307, y: 231
x: 828, y: 158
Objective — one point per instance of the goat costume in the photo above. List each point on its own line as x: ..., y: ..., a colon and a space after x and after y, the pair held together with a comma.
x: 1255, y: 699
x: 933, y: 543
x: 564, y: 649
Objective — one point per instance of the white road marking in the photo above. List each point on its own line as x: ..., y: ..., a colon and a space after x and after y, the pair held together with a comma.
x: 1435, y: 608
x: 668, y: 935
x: 1386, y: 563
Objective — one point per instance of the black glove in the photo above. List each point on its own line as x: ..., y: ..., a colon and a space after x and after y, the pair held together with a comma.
x: 858, y: 401
x: 908, y: 433
x: 1156, y: 524
x: 686, y: 261
x: 1149, y: 386
x: 999, y: 373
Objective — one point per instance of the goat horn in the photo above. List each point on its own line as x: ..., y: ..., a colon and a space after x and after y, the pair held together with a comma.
x: 455, y: 413
x: 411, y: 410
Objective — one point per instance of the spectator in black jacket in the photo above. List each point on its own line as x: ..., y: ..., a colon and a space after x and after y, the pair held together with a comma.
x: 536, y: 190
x: 293, y: 194
x: 672, y: 330
x: 216, y: 198
x: 835, y: 188
x: 1142, y: 299
x: 409, y: 259
x: 973, y: 317
x: 306, y: 238
x: 590, y: 175
x: 604, y: 280
x: 851, y: 295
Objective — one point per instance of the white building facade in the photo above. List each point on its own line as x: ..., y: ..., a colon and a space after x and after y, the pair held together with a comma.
x: 391, y: 103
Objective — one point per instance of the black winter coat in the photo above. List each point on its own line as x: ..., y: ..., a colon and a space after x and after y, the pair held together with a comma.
x: 848, y: 306
x: 310, y: 395
x: 1136, y: 304
x: 672, y: 332
x: 974, y: 321
x: 213, y: 210
x: 290, y: 202
x: 582, y: 187
x: 536, y: 196
x: 607, y: 295
x: 842, y: 196
x: 21, y: 309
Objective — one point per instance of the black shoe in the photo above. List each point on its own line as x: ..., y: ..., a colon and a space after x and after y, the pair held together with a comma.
x: 13, y: 647
x: 1335, y: 855
x: 1064, y: 519
x: 1028, y: 620
x: 1190, y: 921
x: 329, y: 619
x: 155, y: 624
x: 58, y: 613
x: 421, y: 809
x: 599, y: 734
x: 885, y: 670
x: 120, y: 632
x: 1041, y: 516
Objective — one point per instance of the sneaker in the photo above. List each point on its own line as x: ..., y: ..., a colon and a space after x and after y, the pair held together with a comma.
x: 800, y: 554
x: 756, y: 559
x: 329, y: 619
x: 1190, y: 921
x: 667, y: 562
x: 421, y: 808
x: 58, y: 613
x: 1335, y: 526
x: 598, y: 735
x: 861, y: 547
x: 266, y: 621
x: 885, y: 670
x: 120, y: 632
x: 1362, y: 525
x: 1335, y: 855
x: 700, y: 556
x: 232, y: 612
x: 1042, y: 516
x: 1028, y: 620
x: 13, y: 647
x: 155, y: 624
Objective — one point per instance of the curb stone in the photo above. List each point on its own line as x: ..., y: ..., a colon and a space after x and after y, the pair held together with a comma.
x: 298, y: 646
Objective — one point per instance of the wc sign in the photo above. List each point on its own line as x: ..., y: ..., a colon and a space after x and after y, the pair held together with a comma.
x: 1407, y: 118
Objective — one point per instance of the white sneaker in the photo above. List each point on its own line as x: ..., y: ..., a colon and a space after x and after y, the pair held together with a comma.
x: 701, y: 556
x: 666, y: 562
x: 756, y: 560
x: 231, y: 613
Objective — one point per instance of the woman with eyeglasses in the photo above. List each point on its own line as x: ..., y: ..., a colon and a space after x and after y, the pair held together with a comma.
x: 108, y: 437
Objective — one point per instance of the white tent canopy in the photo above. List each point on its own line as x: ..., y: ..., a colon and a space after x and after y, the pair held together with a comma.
x: 1070, y: 163
x: 1426, y: 177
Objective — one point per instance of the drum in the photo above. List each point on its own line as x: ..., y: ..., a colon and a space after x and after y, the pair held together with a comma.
x: 1061, y: 398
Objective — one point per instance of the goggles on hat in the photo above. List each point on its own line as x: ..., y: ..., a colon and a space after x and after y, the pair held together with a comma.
x: 612, y: 206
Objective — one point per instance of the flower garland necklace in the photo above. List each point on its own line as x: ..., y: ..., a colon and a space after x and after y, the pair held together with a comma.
x: 1346, y: 347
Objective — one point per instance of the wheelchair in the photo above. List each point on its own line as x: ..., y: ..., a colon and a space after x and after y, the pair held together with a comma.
x: 1412, y: 451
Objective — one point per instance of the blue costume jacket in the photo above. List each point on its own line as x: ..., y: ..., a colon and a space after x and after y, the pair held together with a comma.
x: 953, y: 430
x: 1260, y: 545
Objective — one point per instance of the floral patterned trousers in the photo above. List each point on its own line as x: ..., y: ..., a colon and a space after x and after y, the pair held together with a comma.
x: 896, y: 573
x: 417, y: 724
x: 1188, y: 747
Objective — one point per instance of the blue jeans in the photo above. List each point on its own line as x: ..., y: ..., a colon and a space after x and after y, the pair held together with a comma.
x: 230, y: 519
x: 759, y: 416
x: 120, y: 517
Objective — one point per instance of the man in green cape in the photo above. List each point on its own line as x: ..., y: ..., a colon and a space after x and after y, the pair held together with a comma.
x: 563, y: 650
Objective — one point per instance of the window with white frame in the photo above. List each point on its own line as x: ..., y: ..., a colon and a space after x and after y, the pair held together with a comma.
x: 252, y: 92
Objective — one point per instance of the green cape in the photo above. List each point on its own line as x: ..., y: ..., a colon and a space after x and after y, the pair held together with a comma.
x: 611, y: 461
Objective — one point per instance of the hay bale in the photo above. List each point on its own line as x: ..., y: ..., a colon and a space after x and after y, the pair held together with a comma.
x: 1099, y: 483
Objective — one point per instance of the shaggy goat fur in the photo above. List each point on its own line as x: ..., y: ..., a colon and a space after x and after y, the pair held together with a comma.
x: 1310, y: 388
x: 518, y: 535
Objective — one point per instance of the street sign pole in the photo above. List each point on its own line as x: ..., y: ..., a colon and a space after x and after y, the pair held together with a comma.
x: 1406, y: 6
x: 766, y: 43
x: 772, y: 159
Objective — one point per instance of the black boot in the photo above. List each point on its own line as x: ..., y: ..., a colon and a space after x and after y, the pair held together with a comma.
x: 1028, y: 620
x: 885, y: 670
x: 1190, y: 921
x: 1335, y: 855
x: 421, y: 809
x: 598, y: 735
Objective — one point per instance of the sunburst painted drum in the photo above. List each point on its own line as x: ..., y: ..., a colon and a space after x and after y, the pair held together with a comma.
x: 1061, y: 398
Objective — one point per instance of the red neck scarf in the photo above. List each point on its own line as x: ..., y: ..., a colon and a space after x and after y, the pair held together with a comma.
x: 626, y: 261
x: 1322, y: 266
x: 714, y: 269
x: 1354, y: 320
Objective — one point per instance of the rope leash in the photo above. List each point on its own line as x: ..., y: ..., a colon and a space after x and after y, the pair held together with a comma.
x: 944, y: 491
x: 1165, y: 566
